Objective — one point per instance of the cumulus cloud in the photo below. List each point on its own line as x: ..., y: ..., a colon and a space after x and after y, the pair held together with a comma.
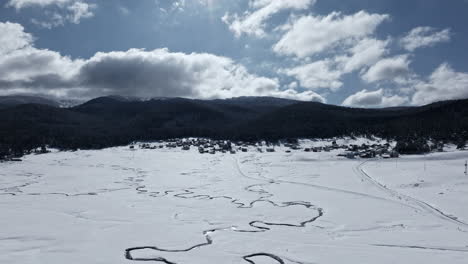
x: 295, y: 95
x: 135, y: 72
x: 366, y: 52
x: 25, y: 69
x: 13, y: 37
x: 254, y: 23
x: 309, y: 35
x: 424, y: 37
x: 377, y: 98
x: 27, y: 64
x: 316, y: 75
x: 164, y: 73
x: 394, y: 69
x: 79, y: 10
x: 327, y: 73
x: 72, y: 11
x: 443, y: 84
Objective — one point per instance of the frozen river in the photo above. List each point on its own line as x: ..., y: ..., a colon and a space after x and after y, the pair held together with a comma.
x: 171, y: 206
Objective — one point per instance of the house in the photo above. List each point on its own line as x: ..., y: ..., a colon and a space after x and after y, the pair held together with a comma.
x: 386, y: 156
x: 44, y: 150
x: 145, y: 146
x: 367, y: 154
x: 380, y: 151
x: 226, y: 145
x: 353, y: 148
x: 335, y: 145
x: 350, y: 155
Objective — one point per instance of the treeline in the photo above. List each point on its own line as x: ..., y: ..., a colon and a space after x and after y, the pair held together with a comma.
x: 109, y: 121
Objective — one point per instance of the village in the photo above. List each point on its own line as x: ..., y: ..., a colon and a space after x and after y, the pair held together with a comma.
x: 354, y: 150
x: 8, y: 154
x: 209, y: 146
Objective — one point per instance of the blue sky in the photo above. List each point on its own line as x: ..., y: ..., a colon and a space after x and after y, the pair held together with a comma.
x: 363, y: 53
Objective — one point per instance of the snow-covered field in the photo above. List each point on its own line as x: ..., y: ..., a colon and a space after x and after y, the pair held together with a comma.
x: 173, y: 206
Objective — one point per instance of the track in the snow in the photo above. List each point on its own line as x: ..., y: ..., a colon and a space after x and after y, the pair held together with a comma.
x: 425, y: 206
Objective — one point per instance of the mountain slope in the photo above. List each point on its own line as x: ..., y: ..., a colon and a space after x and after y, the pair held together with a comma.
x: 110, y: 121
x: 442, y: 119
x: 14, y: 100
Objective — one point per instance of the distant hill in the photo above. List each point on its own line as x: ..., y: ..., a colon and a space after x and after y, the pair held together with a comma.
x: 113, y: 120
x: 442, y: 120
x: 13, y: 100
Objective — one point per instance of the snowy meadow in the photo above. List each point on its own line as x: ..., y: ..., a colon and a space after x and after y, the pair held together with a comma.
x: 122, y: 205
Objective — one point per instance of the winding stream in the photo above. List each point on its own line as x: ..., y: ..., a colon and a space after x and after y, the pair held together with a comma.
x: 257, y: 225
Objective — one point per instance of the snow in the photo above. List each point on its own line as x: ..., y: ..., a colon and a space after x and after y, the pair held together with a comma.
x: 123, y: 206
x: 437, y: 179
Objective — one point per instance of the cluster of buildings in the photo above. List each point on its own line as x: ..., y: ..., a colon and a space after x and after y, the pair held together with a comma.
x: 211, y: 146
x: 8, y: 154
x: 366, y: 151
x: 203, y: 145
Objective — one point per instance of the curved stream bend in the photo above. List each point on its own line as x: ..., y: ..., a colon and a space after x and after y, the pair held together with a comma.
x: 265, y: 226
x: 258, y: 225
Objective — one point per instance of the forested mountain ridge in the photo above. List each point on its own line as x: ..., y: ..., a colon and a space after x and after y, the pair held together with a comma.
x: 111, y: 121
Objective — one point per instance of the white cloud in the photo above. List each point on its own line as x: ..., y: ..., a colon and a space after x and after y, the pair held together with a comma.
x: 254, y: 23
x: 134, y: 72
x: 327, y: 73
x: 54, y: 20
x: 26, y: 69
x: 79, y: 10
x: 366, y: 52
x: 377, y: 98
x: 72, y: 11
x: 443, y: 84
x: 394, y: 69
x: 13, y: 37
x: 302, y: 96
x: 172, y: 6
x: 29, y: 63
x: 164, y: 73
x: 293, y: 85
x: 346, y: 43
x: 424, y: 37
x: 309, y: 35
x: 316, y: 75
x: 19, y: 4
